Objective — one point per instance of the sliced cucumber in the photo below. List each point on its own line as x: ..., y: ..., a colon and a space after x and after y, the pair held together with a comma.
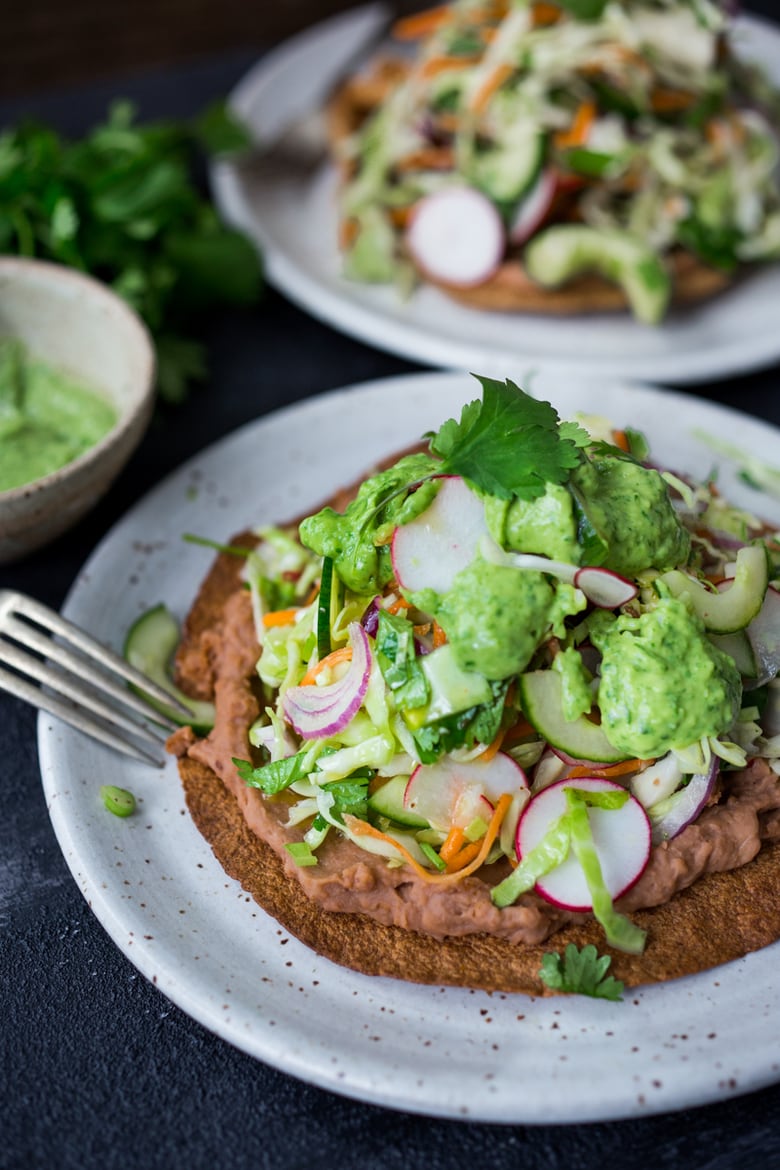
x: 542, y: 701
x: 452, y: 688
x: 388, y: 801
x: 328, y: 606
x: 506, y: 173
x: 560, y: 253
x: 149, y: 646
x: 735, y: 607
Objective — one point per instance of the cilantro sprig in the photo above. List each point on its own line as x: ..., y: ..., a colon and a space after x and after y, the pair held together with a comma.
x: 509, y: 444
x: 581, y: 972
x: 123, y: 203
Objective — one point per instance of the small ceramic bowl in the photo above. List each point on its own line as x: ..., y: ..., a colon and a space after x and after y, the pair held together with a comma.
x: 74, y: 323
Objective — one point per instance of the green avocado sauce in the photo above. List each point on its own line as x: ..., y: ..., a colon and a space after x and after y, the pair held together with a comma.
x: 545, y: 526
x: 357, y: 541
x: 629, y: 508
x: 663, y: 684
x: 47, y: 417
x: 576, y: 694
x: 494, y: 617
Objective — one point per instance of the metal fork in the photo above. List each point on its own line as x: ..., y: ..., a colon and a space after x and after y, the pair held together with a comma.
x: 61, y: 669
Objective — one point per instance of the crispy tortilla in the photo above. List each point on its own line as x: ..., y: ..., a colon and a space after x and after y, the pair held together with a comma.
x: 722, y: 916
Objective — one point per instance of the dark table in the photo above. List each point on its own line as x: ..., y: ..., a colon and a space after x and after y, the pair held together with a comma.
x: 98, y: 1070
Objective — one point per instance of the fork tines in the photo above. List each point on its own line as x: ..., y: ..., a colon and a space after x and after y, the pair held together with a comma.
x: 61, y: 669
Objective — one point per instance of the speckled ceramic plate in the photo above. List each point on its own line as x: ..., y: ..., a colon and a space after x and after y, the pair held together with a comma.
x: 156, y: 888
x: 293, y: 217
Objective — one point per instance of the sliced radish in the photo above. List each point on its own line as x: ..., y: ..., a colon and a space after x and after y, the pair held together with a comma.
x: 317, y: 712
x: 684, y: 807
x: 621, y: 837
x: 560, y: 569
x: 601, y: 586
x: 456, y: 235
x: 450, y: 793
x: 532, y: 210
x: 604, y: 588
x: 429, y: 550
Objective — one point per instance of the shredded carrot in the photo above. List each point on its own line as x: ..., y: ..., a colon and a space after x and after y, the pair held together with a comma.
x: 453, y: 843
x: 490, y: 85
x: 343, y: 654
x: 544, y: 14
x: 578, y: 132
x: 610, y: 770
x: 363, y: 829
x: 621, y: 440
x: 493, y: 747
x: 280, y: 617
x: 519, y: 730
x: 400, y: 604
x: 313, y: 594
x: 422, y: 630
x: 421, y: 24
x: 439, y: 637
x: 436, y: 65
x: 665, y: 100
x: 348, y: 233
x: 463, y: 857
x: 430, y: 158
x: 400, y: 216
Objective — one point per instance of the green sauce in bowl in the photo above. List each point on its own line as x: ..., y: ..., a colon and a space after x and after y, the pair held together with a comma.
x: 48, y: 418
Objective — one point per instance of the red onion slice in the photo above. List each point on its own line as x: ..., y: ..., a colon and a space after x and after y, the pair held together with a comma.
x: 317, y: 712
x: 686, y: 805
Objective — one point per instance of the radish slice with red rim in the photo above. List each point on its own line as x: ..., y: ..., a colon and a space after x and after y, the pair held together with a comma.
x: 621, y: 837
x: 456, y: 235
x: 317, y: 712
x: 683, y: 807
x: 533, y: 208
x: 604, y: 588
x: 430, y: 550
x: 450, y: 792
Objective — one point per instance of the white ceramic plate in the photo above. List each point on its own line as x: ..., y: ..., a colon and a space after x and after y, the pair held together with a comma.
x: 156, y: 887
x: 294, y: 221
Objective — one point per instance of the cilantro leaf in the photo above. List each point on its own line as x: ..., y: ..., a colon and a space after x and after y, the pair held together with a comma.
x: 509, y: 443
x: 581, y: 972
x: 462, y: 729
x: 397, y: 657
x: 276, y: 776
x: 126, y: 203
x: 350, y: 795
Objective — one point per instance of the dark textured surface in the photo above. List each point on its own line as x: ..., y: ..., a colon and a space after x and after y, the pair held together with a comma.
x: 97, y: 1069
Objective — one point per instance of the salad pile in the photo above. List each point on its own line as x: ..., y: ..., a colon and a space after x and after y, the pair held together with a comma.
x: 610, y: 136
x: 525, y: 651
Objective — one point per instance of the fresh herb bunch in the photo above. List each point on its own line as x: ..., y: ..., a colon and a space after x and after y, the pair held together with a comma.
x: 123, y: 204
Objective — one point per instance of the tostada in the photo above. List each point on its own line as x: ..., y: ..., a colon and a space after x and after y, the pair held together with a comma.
x: 515, y: 690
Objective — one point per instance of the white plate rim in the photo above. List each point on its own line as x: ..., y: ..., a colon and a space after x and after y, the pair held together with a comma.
x: 690, y: 1058
x: 371, y: 316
